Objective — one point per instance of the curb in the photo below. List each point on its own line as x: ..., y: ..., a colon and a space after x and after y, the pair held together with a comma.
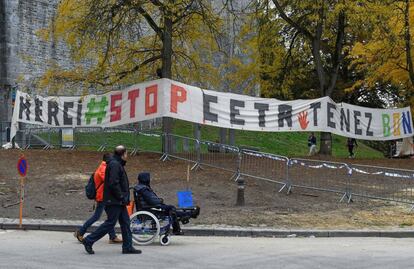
x: 12, y: 224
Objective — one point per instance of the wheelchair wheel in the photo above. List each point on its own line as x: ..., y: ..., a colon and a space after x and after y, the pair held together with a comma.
x: 145, y: 227
x: 165, y: 240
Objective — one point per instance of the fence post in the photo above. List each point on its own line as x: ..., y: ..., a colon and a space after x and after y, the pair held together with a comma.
x: 166, y: 147
x: 48, y: 146
x: 236, y: 175
x: 29, y: 142
x: 106, y: 143
x: 74, y: 139
x: 197, y: 165
x: 240, y: 192
x: 348, y: 188
x: 135, y: 137
x: 288, y: 184
x: 197, y: 137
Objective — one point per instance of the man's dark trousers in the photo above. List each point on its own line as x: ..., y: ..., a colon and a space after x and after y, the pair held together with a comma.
x: 100, y: 207
x: 115, y: 213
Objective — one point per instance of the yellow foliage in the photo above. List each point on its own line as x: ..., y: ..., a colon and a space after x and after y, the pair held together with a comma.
x: 113, y: 50
x: 381, y: 56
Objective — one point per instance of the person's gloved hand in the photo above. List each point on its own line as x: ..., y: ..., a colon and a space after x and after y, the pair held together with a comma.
x: 124, y: 200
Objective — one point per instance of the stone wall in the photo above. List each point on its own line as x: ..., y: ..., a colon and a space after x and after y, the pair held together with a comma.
x: 24, y: 56
x: 34, y: 55
x: 4, y: 48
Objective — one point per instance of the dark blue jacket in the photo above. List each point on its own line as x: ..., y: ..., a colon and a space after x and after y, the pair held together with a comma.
x: 116, y: 186
x: 144, y: 196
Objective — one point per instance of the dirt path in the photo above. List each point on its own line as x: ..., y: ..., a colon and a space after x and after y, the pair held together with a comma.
x: 56, y: 180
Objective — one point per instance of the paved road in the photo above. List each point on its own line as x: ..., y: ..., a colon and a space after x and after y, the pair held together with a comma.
x: 44, y: 250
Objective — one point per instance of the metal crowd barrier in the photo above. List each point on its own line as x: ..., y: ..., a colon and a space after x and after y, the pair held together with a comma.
x: 265, y: 166
x: 149, y: 142
x: 382, y: 183
x: 38, y: 138
x: 219, y: 156
x: 362, y: 181
x: 318, y: 176
x: 183, y: 148
x: 116, y: 136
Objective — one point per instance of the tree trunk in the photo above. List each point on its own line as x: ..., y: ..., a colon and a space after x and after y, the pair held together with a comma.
x: 326, y: 144
x: 222, y: 138
x: 197, y: 131
x: 326, y: 138
x: 326, y: 86
x: 232, y: 137
x: 222, y: 135
x: 409, y: 59
x: 166, y: 72
x: 167, y: 48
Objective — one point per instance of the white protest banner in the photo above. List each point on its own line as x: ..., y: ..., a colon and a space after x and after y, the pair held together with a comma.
x: 168, y: 98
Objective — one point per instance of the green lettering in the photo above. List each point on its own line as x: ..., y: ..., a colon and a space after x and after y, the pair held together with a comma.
x: 386, y: 124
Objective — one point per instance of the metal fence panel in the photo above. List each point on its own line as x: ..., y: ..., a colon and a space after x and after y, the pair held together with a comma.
x: 89, y: 138
x: 316, y: 175
x: 220, y: 156
x: 264, y: 166
x: 183, y: 148
x: 319, y: 175
x: 382, y: 183
x: 120, y: 136
x: 37, y: 137
x: 149, y: 142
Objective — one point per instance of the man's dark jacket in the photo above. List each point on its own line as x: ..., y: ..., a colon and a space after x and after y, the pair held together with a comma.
x: 145, y: 196
x: 116, y: 187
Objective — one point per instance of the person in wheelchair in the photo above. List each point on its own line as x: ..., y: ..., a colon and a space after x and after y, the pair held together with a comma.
x: 146, y: 199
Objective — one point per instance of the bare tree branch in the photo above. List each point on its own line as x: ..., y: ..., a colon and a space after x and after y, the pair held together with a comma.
x: 292, y: 23
x: 150, y: 21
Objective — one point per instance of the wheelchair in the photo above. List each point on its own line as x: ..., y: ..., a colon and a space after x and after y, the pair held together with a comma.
x: 150, y: 223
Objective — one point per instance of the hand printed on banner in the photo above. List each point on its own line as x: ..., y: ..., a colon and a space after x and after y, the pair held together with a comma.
x: 303, y: 120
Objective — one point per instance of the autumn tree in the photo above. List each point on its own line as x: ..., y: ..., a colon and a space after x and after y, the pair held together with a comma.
x: 120, y: 42
x: 301, y: 47
x: 276, y: 63
x: 384, y: 55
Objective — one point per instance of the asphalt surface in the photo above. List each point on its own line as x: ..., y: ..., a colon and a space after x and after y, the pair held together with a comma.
x: 40, y: 249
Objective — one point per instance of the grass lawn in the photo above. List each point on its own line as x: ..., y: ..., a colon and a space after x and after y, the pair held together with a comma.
x: 283, y: 143
x: 291, y: 144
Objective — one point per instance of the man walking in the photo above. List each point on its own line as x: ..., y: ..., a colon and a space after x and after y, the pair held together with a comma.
x: 312, y: 144
x: 351, y: 143
x: 116, y: 197
x: 99, y: 179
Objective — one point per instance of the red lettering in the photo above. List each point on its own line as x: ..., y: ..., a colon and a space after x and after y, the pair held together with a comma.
x: 114, y: 108
x: 178, y: 94
x: 132, y: 97
x: 151, y: 90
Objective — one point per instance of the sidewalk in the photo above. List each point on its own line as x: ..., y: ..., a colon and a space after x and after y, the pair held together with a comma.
x: 212, y: 230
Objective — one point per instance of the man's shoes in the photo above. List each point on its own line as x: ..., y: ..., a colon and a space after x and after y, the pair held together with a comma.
x: 131, y: 251
x: 88, y: 248
x: 78, y: 236
x: 116, y: 240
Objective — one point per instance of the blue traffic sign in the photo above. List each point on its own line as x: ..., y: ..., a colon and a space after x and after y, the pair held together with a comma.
x: 22, y: 166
